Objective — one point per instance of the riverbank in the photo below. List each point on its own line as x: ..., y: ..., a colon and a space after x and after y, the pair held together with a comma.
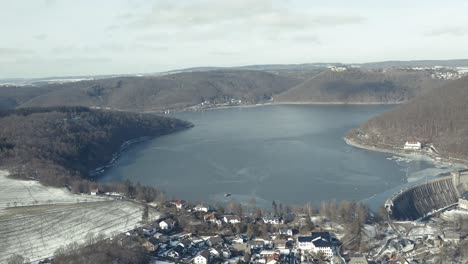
x: 435, y: 158
x: 222, y: 106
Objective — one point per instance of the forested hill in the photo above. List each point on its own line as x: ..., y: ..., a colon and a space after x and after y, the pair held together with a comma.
x: 156, y: 93
x: 57, y: 145
x: 360, y: 86
x: 187, y: 89
x: 439, y: 117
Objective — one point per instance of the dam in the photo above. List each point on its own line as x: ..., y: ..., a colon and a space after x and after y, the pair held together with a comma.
x: 418, y: 201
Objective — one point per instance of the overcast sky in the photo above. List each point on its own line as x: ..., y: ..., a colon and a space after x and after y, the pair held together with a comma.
x: 89, y: 37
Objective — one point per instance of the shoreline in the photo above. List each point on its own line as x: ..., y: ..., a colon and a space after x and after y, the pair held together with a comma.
x: 443, y: 160
x: 192, y: 109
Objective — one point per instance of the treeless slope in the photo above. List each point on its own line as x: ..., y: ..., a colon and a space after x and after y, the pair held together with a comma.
x: 357, y: 86
x: 170, y: 91
x: 439, y: 117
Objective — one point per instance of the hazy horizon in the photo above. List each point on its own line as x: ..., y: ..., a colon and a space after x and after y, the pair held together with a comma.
x: 69, y: 38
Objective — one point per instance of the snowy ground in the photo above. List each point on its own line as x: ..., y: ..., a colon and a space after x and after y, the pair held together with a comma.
x: 36, y: 229
x: 15, y: 193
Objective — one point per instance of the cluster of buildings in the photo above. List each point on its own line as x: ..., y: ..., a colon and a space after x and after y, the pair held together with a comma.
x: 166, y: 241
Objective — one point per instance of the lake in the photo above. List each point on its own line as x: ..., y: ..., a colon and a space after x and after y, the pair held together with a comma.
x: 292, y: 154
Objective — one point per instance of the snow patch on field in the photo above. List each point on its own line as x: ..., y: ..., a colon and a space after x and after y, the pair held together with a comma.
x: 14, y: 193
x: 47, y: 218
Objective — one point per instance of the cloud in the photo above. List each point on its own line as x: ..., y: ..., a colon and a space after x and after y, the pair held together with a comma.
x: 14, y: 51
x: 455, y: 31
x: 260, y: 13
x: 42, y: 36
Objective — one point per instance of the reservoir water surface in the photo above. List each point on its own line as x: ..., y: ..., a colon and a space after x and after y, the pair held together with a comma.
x: 292, y: 154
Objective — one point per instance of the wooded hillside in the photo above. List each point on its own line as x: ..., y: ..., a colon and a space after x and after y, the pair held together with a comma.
x: 439, y: 117
x: 173, y: 91
x: 57, y: 144
x: 358, y: 86
x: 181, y: 90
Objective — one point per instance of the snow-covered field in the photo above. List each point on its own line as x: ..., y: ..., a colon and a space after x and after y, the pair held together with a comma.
x: 35, y: 231
x: 15, y: 193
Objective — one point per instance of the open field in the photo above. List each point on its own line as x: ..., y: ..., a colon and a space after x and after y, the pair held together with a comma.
x: 36, y: 231
x: 25, y: 193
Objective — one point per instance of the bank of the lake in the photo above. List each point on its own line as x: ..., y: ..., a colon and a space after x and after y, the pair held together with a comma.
x: 293, y: 154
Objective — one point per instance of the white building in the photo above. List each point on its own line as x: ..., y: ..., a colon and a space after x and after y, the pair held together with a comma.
x: 317, y: 241
x: 202, y: 258
x: 231, y: 219
x: 463, y: 201
x: 413, y: 145
x: 201, y: 208
x: 167, y: 224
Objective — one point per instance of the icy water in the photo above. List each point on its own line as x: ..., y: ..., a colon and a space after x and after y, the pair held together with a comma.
x: 293, y: 154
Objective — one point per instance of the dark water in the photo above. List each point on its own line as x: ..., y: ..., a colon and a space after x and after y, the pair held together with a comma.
x: 289, y: 153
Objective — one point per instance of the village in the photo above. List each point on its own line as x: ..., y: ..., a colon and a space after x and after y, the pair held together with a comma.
x: 203, y: 235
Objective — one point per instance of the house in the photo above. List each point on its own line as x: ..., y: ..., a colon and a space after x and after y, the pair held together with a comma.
x: 337, y: 68
x: 215, y: 252
x: 202, y: 258
x: 180, y: 204
x: 231, y: 219
x: 317, y: 241
x: 214, y: 241
x: 211, y: 217
x: 275, y: 220
x: 226, y: 253
x: 463, y: 201
x: 280, y: 243
x: 95, y: 191
x: 149, y: 230
x: 167, y: 224
x: 286, y: 231
x: 413, y: 145
x: 201, y: 208
x: 451, y: 236
x: 150, y: 246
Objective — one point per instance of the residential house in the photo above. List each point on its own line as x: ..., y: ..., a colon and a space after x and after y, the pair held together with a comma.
x: 451, y: 236
x: 286, y: 231
x: 201, y: 208
x: 214, y: 241
x: 95, y: 191
x: 211, y: 217
x: 215, y: 252
x: 275, y: 220
x: 167, y: 224
x: 231, y: 219
x: 150, y: 246
x: 202, y: 258
x: 280, y: 243
x: 149, y: 230
x: 180, y: 204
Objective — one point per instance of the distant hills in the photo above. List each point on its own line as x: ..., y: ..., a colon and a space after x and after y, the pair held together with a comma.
x: 439, y: 117
x: 358, y: 86
x: 273, y: 83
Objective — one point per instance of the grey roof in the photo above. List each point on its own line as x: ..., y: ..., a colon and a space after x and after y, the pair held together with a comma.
x: 465, y: 195
x: 205, y: 253
x: 321, y: 239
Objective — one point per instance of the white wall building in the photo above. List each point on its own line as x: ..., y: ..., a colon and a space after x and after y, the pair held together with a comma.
x: 317, y: 241
x: 413, y: 145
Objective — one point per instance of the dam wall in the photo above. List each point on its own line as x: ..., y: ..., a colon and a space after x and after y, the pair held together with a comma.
x: 419, y: 200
